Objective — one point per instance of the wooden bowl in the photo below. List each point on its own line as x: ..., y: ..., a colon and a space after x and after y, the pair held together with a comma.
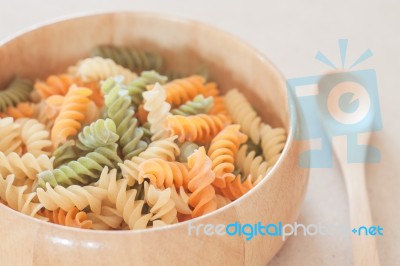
x: 185, y: 45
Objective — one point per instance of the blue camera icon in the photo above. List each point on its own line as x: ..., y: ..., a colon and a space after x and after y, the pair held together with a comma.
x: 348, y: 105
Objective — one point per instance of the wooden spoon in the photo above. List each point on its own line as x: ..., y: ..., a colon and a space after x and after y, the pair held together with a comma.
x: 364, y: 247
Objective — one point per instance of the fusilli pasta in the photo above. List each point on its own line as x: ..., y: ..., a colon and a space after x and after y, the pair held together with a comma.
x: 242, y: 113
x: 134, y: 59
x: 222, y: 152
x: 138, y: 85
x: 201, y: 177
x: 120, y: 111
x: 17, y: 91
x: 10, y: 136
x: 35, y: 137
x: 158, y: 111
x: 17, y: 198
x: 97, y: 69
x: 199, y: 128
x: 68, y: 122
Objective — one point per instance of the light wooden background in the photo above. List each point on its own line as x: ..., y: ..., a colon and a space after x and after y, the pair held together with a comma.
x: 290, y: 33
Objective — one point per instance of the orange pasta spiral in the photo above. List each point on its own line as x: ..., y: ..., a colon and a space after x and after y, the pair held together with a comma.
x: 72, y: 218
x: 60, y: 84
x: 54, y: 85
x: 68, y: 122
x: 180, y: 91
x: 236, y: 189
x: 163, y: 173
x: 219, y: 107
x: 201, y: 176
x: 223, y: 151
x: 22, y: 110
x: 201, y: 128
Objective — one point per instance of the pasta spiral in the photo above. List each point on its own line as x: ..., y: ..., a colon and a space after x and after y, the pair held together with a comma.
x: 201, y: 177
x: 181, y: 200
x: 219, y: 106
x: 109, y: 218
x: 16, y: 197
x: 243, y: 114
x: 26, y: 166
x: 83, y: 170
x: 120, y: 111
x: 180, y: 91
x: 165, y: 149
x: 10, y: 136
x: 222, y: 152
x: 123, y: 200
x: 68, y: 122
x: 17, y: 91
x: 97, y: 69
x: 71, y: 218
x: 236, y: 188
x: 138, y: 85
x: 199, y: 128
x: 158, y: 111
x: 162, y: 173
x: 272, y: 143
x: 98, y: 134
x: 199, y: 105
x: 250, y: 164
x: 65, y: 153
x: 22, y: 110
x: 68, y: 198
x: 46, y: 112
x: 186, y: 149
x: 35, y: 137
x: 54, y: 85
x: 134, y: 59
x: 162, y: 207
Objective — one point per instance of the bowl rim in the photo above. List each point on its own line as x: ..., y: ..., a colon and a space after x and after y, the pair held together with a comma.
x: 292, y: 110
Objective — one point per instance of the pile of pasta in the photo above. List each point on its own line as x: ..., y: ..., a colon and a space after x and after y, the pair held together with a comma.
x: 112, y: 144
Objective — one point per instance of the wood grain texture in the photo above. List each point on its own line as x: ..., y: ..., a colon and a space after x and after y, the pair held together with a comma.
x: 185, y: 45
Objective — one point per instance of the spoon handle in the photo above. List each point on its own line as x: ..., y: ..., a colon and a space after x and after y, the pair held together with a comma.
x: 365, y: 252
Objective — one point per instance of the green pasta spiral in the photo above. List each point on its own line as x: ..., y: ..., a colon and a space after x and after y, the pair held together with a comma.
x: 138, y: 86
x: 97, y: 134
x: 65, y: 153
x: 199, y: 105
x: 186, y: 149
x: 17, y: 91
x: 82, y: 171
x: 134, y: 59
x: 119, y: 109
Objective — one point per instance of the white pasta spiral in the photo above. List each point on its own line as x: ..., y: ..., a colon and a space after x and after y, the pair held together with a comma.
x: 243, y: 113
x: 155, y: 103
x: 109, y: 218
x: 10, y: 140
x: 165, y: 149
x: 272, y: 143
x: 35, y: 136
x: 162, y: 207
x: 181, y: 200
x: 25, y: 166
x: 250, y: 164
x: 122, y: 200
x: 97, y: 69
x: 67, y: 198
x: 17, y: 198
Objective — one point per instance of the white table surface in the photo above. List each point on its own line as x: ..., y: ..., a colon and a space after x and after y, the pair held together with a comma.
x: 290, y: 33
